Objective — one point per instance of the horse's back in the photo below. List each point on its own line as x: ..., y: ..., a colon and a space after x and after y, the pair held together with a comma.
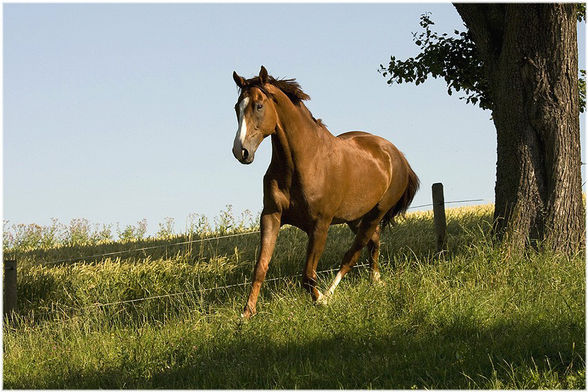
x: 363, y: 137
x: 351, y: 134
x: 376, y: 144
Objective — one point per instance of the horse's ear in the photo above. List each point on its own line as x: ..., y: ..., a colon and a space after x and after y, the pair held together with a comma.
x: 239, y: 80
x: 263, y: 75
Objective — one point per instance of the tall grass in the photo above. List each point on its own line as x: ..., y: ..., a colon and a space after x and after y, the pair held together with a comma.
x: 81, y: 240
x: 476, y: 317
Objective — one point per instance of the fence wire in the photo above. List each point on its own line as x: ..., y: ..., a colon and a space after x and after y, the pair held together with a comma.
x: 201, y: 290
x: 127, y: 251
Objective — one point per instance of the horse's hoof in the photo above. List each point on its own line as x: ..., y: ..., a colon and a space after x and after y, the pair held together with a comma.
x: 246, y: 316
x: 322, y: 300
x: 375, y: 279
x: 247, y: 313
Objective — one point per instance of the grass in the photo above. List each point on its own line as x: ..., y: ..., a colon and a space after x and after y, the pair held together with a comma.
x: 474, y: 318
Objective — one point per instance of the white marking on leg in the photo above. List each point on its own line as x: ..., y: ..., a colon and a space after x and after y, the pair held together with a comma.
x: 335, y: 283
x: 321, y: 299
x: 375, y: 276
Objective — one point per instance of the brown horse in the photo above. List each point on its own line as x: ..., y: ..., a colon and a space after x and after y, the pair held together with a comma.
x: 315, y: 179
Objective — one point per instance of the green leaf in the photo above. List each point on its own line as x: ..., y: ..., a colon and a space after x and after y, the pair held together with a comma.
x: 455, y: 59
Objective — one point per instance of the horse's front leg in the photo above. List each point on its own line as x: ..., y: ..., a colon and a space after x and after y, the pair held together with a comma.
x: 269, y: 227
x: 317, y: 239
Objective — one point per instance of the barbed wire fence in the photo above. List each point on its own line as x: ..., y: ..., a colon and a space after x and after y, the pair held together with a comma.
x: 200, y: 290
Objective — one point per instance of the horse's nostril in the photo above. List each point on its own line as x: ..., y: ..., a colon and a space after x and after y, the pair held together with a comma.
x: 244, y: 153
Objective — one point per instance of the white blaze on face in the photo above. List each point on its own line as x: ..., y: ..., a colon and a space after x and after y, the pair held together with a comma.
x: 242, y: 129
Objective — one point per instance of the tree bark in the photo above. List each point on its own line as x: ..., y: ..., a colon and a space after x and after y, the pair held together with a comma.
x: 530, y: 55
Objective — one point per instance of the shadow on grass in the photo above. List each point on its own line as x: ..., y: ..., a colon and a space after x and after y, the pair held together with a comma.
x: 459, y: 355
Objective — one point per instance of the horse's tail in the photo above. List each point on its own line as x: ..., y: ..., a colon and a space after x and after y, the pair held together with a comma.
x: 402, y: 205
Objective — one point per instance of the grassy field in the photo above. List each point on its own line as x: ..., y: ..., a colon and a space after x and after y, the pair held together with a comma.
x: 475, y: 318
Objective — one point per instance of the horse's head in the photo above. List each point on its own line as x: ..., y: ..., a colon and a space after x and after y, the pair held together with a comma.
x: 256, y: 116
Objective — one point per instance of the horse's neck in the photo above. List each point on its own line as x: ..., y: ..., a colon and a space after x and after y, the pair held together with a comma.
x: 299, y: 140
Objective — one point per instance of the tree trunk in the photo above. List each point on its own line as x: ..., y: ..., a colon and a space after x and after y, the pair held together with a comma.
x: 531, y: 58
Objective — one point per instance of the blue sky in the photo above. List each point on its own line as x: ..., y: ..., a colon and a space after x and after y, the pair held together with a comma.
x: 119, y: 112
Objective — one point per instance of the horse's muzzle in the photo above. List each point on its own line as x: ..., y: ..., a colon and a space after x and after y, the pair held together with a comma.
x: 243, y: 155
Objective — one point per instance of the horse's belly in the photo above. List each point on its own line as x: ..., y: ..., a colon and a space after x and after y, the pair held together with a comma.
x: 296, y: 218
x: 354, y: 210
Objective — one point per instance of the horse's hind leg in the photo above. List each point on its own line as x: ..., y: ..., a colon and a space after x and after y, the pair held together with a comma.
x: 373, y: 246
x: 367, y: 227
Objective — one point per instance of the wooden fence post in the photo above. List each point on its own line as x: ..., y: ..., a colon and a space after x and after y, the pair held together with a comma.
x: 9, y: 287
x: 439, y: 216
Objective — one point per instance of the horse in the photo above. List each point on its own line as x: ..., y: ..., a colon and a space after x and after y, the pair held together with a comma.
x: 316, y: 179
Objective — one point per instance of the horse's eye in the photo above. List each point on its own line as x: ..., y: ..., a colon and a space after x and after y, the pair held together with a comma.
x: 259, y: 106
